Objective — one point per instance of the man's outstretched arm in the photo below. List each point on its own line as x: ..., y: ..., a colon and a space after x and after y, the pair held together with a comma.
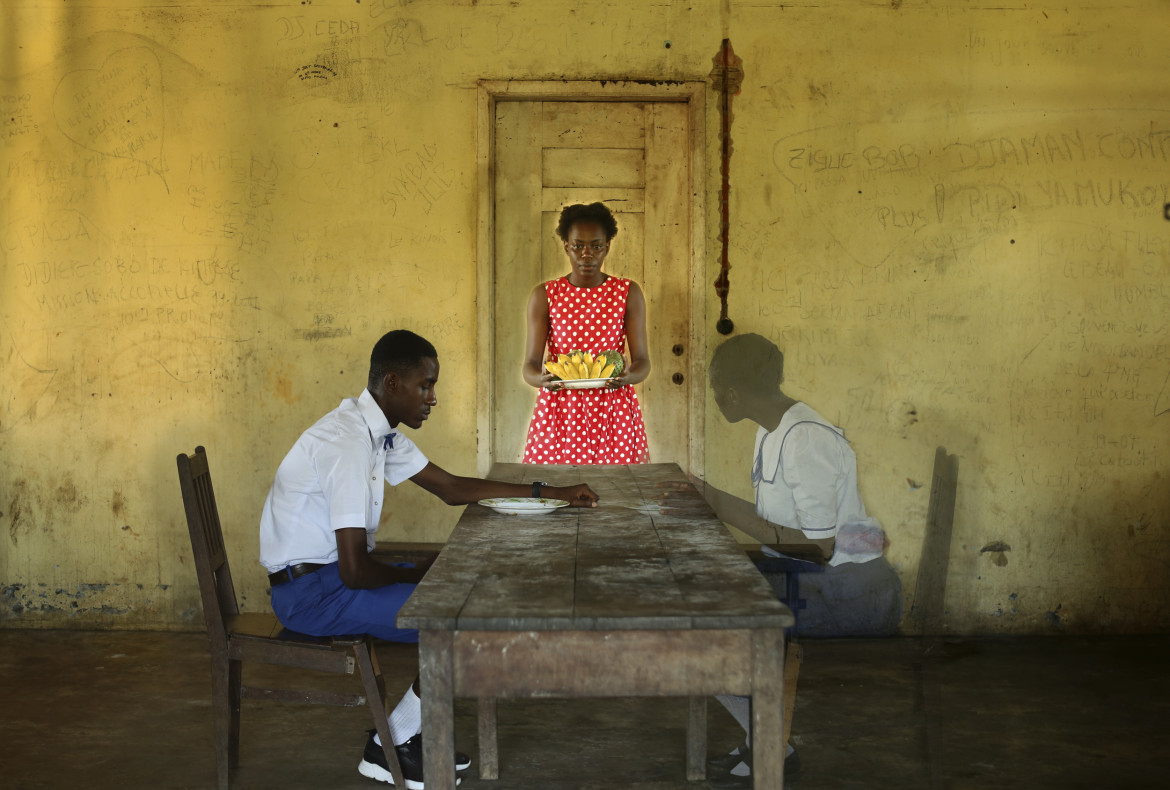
x: 742, y: 515
x: 456, y: 490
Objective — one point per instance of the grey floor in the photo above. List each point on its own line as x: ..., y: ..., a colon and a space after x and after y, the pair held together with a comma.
x: 132, y: 710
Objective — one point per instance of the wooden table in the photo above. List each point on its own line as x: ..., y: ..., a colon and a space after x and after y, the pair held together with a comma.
x: 646, y: 595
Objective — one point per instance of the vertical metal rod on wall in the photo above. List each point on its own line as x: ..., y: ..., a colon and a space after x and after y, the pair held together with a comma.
x: 728, y: 78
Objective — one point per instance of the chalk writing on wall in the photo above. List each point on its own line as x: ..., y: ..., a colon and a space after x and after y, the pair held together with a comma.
x: 419, y: 177
x: 1021, y: 265
x: 298, y: 27
x: 16, y: 117
x: 228, y: 199
x: 116, y: 110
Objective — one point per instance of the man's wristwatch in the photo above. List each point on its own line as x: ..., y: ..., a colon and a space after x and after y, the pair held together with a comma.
x: 536, y: 485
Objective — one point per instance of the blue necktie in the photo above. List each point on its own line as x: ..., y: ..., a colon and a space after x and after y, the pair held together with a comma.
x: 758, y: 466
x: 758, y: 473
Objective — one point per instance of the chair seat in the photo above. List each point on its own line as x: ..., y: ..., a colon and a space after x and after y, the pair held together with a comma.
x: 266, y: 626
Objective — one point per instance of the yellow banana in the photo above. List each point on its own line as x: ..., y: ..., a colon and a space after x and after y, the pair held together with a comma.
x: 605, y: 372
x: 588, y: 358
x: 555, y: 369
x: 595, y: 369
x: 562, y: 358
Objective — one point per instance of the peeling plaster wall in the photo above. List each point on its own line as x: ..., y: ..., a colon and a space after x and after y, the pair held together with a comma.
x: 950, y: 219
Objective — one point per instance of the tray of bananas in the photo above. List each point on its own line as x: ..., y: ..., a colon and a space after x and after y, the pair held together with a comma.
x: 580, y: 370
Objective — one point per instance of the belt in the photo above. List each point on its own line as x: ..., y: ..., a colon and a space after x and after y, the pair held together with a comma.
x: 292, y: 572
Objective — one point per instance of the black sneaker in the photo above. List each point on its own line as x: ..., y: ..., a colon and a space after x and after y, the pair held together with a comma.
x: 725, y: 762
x: 410, y: 759
x: 723, y: 779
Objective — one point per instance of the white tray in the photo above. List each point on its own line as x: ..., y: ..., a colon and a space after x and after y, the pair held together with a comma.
x: 584, y: 384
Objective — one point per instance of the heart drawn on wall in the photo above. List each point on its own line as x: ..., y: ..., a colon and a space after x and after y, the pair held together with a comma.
x: 116, y: 110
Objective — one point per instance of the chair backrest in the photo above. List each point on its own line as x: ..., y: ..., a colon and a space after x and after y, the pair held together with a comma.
x: 211, y: 564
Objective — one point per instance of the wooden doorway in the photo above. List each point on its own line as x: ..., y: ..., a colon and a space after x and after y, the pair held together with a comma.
x: 637, y: 148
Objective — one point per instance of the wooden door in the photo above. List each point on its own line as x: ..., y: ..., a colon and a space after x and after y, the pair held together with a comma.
x: 634, y: 157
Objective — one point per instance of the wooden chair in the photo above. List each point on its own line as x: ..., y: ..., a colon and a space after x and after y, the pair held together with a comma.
x: 235, y: 637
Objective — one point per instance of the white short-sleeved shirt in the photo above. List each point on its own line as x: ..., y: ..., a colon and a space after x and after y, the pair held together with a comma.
x: 334, y: 478
x: 805, y: 477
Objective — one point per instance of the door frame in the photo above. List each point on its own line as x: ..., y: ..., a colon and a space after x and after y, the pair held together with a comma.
x: 694, y: 95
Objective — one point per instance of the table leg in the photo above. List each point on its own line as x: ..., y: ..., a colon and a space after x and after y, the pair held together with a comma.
x: 793, y: 658
x: 436, y: 668
x: 697, y: 739
x: 489, y: 750
x: 767, y: 709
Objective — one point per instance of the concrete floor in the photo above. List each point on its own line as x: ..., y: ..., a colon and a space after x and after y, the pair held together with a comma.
x: 131, y: 710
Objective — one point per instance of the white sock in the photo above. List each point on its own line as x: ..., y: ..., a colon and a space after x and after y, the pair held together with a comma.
x: 741, y: 710
x: 406, y: 720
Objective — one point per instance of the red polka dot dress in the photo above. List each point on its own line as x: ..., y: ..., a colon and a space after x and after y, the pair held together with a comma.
x: 597, y: 426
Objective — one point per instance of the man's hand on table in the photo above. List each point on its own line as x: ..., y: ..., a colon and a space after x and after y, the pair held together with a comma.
x: 579, y: 495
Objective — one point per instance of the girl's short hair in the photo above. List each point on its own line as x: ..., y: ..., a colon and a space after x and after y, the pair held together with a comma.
x: 593, y: 212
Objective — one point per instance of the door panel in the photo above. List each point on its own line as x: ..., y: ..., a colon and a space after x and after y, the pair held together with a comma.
x: 517, y: 269
x: 666, y: 275
x: 594, y: 125
x: 594, y: 167
x: 627, y: 155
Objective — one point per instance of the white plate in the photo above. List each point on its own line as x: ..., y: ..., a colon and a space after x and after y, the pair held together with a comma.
x: 523, y: 506
x: 584, y: 384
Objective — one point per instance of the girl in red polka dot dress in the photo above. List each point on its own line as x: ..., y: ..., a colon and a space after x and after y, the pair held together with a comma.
x: 586, y: 310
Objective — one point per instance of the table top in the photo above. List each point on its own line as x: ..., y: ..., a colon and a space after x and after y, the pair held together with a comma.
x: 652, y: 555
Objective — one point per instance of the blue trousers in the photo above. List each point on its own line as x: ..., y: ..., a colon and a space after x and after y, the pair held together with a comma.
x: 853, y: 599
x: 319, y: 604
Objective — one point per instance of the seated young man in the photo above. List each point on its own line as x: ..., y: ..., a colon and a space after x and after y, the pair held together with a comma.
x: 807, y: 505
x: 322, y: 512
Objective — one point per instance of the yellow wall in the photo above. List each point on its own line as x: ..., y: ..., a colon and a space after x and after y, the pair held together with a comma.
x: 211, y: 211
